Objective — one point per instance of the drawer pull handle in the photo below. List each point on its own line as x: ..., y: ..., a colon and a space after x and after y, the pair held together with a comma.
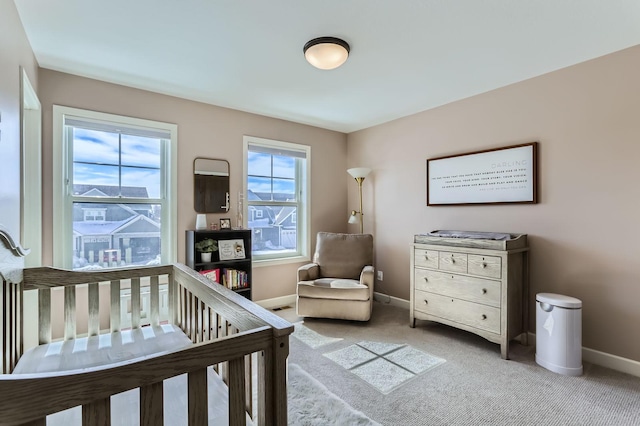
x: 484, y: 291
x: 484, y: 317
x: 426, y: 279
x: 426, y: 302
x: 484, y: 265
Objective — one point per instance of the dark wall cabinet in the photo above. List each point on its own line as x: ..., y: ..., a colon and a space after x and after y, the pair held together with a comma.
x: 230, y: 265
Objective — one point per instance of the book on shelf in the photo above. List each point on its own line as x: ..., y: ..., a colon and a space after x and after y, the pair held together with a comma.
x: 212, y: 274
x: 234, y: 278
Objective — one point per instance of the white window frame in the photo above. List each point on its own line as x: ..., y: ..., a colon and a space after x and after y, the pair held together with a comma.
x: 303, y: 189
x: 62, y: 191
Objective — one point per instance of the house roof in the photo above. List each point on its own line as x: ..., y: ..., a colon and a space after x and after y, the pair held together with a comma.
x: 110, y: 191
x: 132, y: 225
x: 99, y: 227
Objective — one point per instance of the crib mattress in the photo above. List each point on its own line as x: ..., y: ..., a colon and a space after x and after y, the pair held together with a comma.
x: 102, y: 350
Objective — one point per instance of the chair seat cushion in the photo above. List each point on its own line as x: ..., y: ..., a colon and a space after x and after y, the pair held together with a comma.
x: 333, y: 288
x: 101, y: 350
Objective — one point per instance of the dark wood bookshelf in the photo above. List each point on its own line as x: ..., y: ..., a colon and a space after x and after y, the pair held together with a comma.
x: 193, y: 258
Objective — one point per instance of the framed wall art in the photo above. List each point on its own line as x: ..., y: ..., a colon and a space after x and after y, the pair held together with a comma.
x: 493, y: 176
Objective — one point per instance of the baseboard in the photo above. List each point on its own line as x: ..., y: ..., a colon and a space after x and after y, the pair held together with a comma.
x: 277, y: 302
x: 390, y: 300
x: 603, y: 359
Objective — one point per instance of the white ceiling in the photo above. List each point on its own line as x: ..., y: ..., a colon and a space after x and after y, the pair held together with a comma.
x: 406, y: 55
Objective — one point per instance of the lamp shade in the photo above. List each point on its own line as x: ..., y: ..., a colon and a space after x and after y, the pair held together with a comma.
x: 326, y: 53
x: 359, y: 172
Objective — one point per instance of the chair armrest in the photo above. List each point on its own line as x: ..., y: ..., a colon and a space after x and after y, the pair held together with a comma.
x: 308, y: 272
x: 366, y: 277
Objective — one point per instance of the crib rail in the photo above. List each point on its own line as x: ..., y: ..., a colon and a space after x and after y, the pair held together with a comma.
x: 226, y: 330
x: 112, y: 282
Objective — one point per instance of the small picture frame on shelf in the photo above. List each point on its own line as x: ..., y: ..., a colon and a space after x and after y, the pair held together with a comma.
x: 225, y: 223
x: 231, y: 249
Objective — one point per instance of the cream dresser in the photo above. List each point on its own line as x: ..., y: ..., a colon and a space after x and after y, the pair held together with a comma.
x: 477, y: 285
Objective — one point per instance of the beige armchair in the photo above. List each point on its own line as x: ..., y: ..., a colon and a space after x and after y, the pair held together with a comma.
x: 339, y: 282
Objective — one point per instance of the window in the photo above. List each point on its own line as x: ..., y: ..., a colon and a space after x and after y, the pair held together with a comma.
x: 95, y: 215
x: 114, y: 186
x: 277, y: 193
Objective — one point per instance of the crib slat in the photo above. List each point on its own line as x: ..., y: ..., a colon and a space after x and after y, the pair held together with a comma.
x: 151, y: 408
x: 184, y: 314
x: 94, y: 309
x: 236, y: 391
x: 20, y: 323
x: 6, y: 329
x: 135, y: 302
x: 44, y: 316
x: 97, y: 413
x: 210, y: 324
x: 192, y: 317
x: 197, y: 394
x: 248, y: 385
x: 69, y: 312
x: 198, y: 320
x: 115, y: 305
x: 172, y: 288
x: 155, y: 300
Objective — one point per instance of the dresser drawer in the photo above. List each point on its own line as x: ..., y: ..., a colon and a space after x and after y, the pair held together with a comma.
x: 454, y: 262
x: 486, y: 266
x: 458, y: 286
x: 461, y: 311
x: 426, y: 258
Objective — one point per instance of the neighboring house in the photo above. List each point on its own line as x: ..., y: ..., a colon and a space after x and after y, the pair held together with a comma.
x: 114, y: 233
x: 274, y: 227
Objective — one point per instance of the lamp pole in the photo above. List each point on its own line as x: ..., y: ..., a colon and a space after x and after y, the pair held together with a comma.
x: 358, y: 173
x: 360, y: 180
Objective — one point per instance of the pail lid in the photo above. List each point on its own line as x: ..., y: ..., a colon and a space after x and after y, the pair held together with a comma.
x: 559, y: 300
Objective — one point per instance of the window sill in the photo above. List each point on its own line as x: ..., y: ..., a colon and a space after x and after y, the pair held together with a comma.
x: 280, y: 261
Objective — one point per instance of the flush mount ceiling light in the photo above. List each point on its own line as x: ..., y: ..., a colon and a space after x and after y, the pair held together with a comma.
x: 326, y: 53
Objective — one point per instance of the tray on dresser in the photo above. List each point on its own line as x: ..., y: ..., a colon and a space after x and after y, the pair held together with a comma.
x: 513, y: 241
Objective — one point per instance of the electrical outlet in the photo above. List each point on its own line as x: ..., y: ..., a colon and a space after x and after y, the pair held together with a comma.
x: 380, y: 276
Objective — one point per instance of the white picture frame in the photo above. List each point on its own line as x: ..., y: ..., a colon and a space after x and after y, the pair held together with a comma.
x: 494, y: 176
x: 231, y: 249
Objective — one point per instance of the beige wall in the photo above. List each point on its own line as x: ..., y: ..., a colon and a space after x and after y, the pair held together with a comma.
x: 583, y: 233
x: 205, y: 131
x: 15, y: 52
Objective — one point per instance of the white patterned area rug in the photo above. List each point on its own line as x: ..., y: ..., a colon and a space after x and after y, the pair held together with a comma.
x: 310, y: 403
x: 311, y: 338
x: 385, y: 366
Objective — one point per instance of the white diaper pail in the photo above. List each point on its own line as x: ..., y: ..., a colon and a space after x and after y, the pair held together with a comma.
x: 559, y: 333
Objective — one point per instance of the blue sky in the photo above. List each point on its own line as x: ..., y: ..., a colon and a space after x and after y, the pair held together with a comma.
x: 141, y: 159
x: 261, y: 176
x: 140, y: 164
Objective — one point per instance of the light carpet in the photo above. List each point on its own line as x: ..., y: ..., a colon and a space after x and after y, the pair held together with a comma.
x: 385, y: 366
x: 311, y: 338
x: 310, y: 403
x: 474, y: 387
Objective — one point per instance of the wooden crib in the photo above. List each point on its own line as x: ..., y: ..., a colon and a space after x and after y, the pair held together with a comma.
x: 245, y: 344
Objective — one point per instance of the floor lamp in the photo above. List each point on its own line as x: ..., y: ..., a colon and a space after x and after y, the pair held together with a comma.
x: 358, y: 173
